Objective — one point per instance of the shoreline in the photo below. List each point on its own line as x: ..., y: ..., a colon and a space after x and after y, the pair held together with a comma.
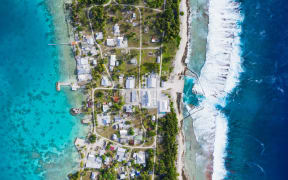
x: 178, y: 70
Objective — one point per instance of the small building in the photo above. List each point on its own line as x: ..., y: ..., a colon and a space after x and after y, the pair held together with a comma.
x: 112, y: 60
x: 139, y: 158
x: 93, y: 162
x: 133, y: 15
x: 117, y: 119
x: 130, y: 83
x: 94, y: 62
x: 105, y: 81
x: 133, y: 61
x: 121, y: 76
x: 120, y: 155
x: 99, y: 35
x: 122, y: 176
x: 152, y: 81
x: 93, y: 176
x: 128, y: 109
x: 106, y: 120
x: 145, y: 99
x: 154, y: 39
x: 90, y: 40
x: 163, y: 106
x: 133, y: 96
x: 153, y: 118
x: 158, y: 60
x: 114, y: 137
x: 123, y: 132
x: 110, y: 42
x: 116, y: 30
x: 121, y: 42
x: 107, y: 161
x: 105, y: 108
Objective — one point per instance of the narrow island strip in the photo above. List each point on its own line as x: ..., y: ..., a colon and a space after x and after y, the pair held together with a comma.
x: 130, y: 65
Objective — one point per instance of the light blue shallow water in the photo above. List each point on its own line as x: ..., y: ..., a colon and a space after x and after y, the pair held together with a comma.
x: 36, y: 131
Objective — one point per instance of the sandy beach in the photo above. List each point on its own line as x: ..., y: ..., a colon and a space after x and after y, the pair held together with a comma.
x: 179, y: 68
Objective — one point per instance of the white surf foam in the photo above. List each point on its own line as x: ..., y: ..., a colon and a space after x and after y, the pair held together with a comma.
x: 219, y: 76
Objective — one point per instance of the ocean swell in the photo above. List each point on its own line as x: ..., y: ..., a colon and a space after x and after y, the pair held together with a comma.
x: 218, y: 77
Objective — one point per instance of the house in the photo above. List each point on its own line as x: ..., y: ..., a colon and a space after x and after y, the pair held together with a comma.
x: 105, y: 81
x: 121, y: 76
x: 106, y: 120
x: 117, y: 119
x: 128, y: 108
x: 99, y: 35
x: 133, y: 61
x: 139, y: 157
x: 110, y: 42
x: 94, y: 62
x: 116, y: 30
x: 134, y: 16
x: 107, y: 161
x: 123, y: 132
x: 145, y: 99
x: 152, y: 81
x: 93, y: 176
x: 84, y: 77
x: 90, y: 40
x: 93, y: 162
x: 105, y: 108
x: 122, y: 176
x: 114, y: 137
x: 121, y: 42
x: 120, y: 155
x: 163, y: 106
x: 158, y: 60
x: 154, y: 39
x: 153, y: 118
x: 130, y: 82
x: 133, y: 96
x: 112, y: 60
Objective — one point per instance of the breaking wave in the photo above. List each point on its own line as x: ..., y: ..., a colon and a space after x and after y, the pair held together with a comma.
x: 218, y: 78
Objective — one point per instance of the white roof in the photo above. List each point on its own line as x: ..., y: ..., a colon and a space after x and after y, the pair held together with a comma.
x: 130, y: 83
x: 116, y: 29
x: 105, y: 108
x: 112, y: 60
x: 145, y: 98
x: 163, y: 106
x: 110, y: 42
x: 140, y: 157
x: 84, y: 77
x: 90, y: 40
x: 93, y: 162
x: 99, y: 35
x: 133, y: 96
x: 82, y: 61
x: 105, y: 81
x: 123, y: 132
x: 151, y: 82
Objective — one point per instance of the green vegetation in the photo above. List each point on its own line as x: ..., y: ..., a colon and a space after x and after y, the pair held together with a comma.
x: 107, y: 174
x: 154, y: 3
x: 168, y: 128
x: 92, y: 138
x: 98, y: 17
x: 128, y: 1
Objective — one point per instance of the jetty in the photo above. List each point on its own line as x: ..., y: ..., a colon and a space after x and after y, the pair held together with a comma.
x: 74, y: 86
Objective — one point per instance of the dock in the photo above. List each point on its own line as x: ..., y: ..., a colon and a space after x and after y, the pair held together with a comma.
x: 74, y: 86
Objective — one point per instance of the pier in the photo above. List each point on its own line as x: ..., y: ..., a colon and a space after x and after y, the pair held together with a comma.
x: 74, y: 86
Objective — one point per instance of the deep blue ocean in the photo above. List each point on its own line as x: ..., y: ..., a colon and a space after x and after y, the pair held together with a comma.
x: 257, y: 109
x: 36, y: 131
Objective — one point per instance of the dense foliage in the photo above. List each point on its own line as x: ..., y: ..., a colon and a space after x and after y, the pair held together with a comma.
x: 169, y: 21
x: 154, y: 3
x: 98, y: 17
x: 165, y: 167
x: 128, y: 1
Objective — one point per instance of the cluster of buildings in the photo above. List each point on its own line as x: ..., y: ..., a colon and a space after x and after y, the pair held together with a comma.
x: 118, y: 40
x: 103, y: 155
x: 85, y: 57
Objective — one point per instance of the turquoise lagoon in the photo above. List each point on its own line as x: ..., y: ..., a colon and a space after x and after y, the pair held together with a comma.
x: 36, y: 131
